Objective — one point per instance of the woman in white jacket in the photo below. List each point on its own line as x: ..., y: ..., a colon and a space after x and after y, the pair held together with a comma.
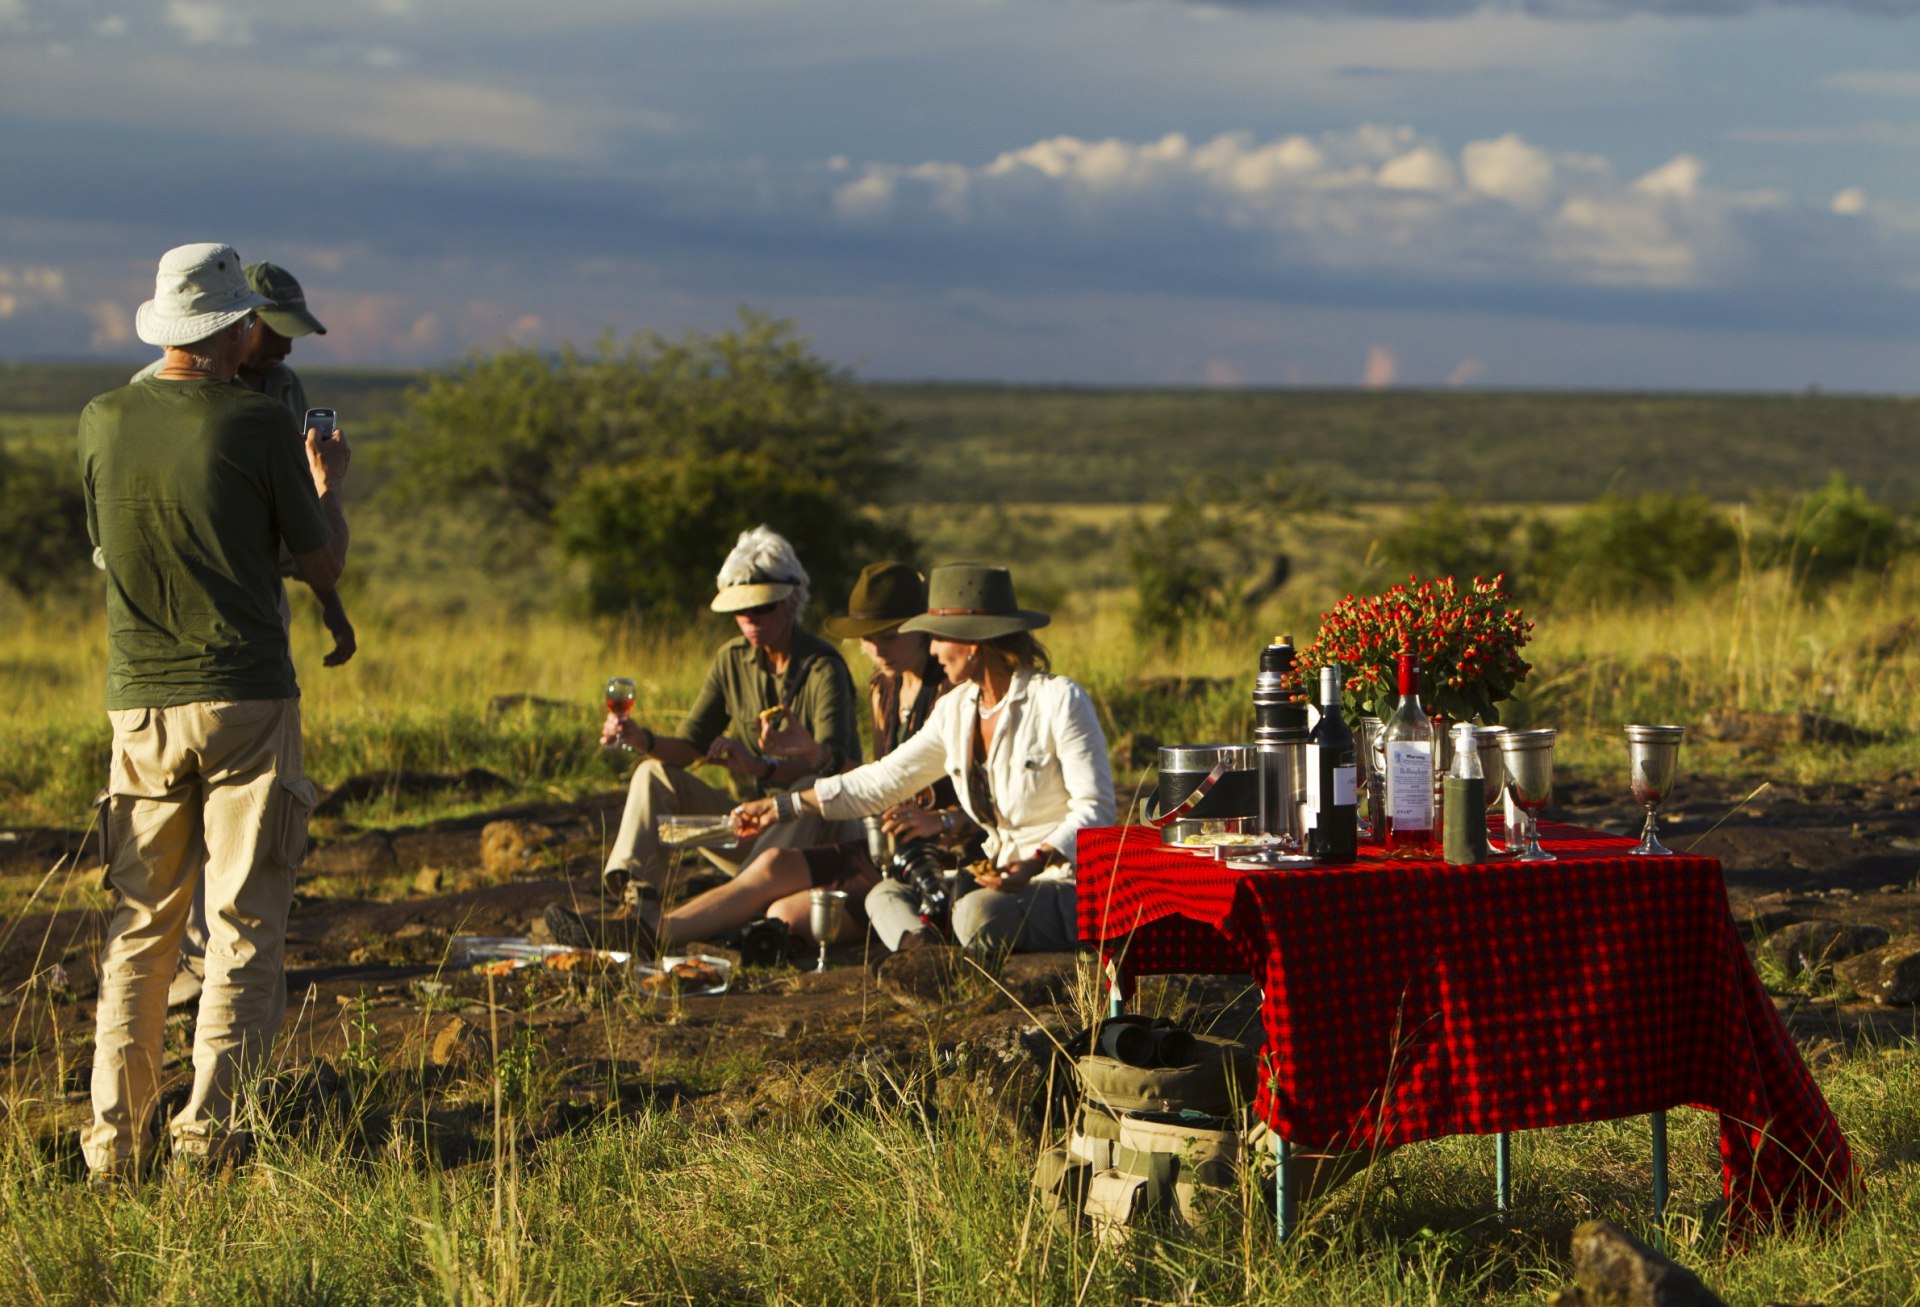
x: 1026, y: 756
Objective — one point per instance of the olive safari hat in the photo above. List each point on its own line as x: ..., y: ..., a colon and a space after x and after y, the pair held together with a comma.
x: 886, y: 595
x: 198, y: 290
x: 973, y: 602
x: 286, y: 311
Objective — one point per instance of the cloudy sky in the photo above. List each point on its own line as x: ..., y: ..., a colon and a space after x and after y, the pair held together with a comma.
x: 1614, y: 193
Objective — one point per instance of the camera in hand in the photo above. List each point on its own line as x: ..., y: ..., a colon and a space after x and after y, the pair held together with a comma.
x: 917, y: 864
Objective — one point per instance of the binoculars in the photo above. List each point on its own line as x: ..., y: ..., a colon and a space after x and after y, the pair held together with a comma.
x: 1145, y: 1042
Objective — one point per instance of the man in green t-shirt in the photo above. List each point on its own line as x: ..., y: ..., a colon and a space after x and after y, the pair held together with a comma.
x: 283, y: 319
x: 193, y: 485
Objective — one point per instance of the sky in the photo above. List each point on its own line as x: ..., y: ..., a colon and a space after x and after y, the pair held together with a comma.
x: 1620, y: 194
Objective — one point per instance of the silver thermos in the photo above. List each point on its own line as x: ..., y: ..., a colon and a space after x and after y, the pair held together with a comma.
x: 1280, y: 739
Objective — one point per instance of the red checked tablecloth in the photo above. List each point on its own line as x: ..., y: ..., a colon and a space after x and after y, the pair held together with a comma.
x: 1411, y: 1000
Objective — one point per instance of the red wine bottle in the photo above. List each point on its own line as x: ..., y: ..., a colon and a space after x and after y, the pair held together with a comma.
x: 1410, y: 753
x: 1333, y: 833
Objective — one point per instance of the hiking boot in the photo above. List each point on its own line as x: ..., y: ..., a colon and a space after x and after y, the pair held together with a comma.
x: 616, y: 930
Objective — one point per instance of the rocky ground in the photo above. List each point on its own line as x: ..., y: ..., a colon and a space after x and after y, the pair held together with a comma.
x: 1825, y: 879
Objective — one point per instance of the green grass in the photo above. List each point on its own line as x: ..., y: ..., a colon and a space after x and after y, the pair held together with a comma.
x: 893, y: 1206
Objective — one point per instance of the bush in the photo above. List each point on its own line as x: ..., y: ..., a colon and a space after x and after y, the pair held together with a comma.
x: 653, y: 532
x: 1832, y: 533
x: 1653, y: 546
x: 43, y: 523
x: 1447, y: 538
x: 601, y: 448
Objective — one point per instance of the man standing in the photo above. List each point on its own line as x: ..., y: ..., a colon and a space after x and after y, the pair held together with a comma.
x: 193, y: 484
x: 283, y: 319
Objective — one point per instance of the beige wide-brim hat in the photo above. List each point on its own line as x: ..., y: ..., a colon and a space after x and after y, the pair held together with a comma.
x: 973, y: 602
x: 751, y: 594
x: 199, y: 289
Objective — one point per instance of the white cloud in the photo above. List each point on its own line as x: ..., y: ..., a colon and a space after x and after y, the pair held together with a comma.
x: 1901, y: 136
x: 1378, y: 198
x: 1466, y: 371
x: 207, y: 22
x: 112, y: 326
x: 1900, y: 83
x: 1850, y: 201
x: 111, y: 25
x: 1382, y: 367
x: 13, y: 15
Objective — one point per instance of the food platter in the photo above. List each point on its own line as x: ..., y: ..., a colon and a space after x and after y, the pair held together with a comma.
x: 500, y: 955
x: 687, y: 974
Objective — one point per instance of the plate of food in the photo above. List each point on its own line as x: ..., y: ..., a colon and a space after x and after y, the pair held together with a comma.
x: 697, y: 832
x: 682, y: 975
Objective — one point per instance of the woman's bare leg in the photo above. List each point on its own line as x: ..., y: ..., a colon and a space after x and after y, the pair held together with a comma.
x: 796, y: 910
x: 769, y: 878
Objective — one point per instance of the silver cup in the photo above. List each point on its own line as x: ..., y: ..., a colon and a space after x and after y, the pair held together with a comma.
x: 1528, y: 759
x: 1488, y: 739
x: 1652, y: 752
x: 826, y: 914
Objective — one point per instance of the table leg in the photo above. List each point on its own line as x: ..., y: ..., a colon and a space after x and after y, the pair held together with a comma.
x: 1503, y: 1174
x: 1659, y: 1123
x: 1283, y: 1197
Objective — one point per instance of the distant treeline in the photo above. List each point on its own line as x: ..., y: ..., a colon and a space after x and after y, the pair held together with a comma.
x: 988, y: 444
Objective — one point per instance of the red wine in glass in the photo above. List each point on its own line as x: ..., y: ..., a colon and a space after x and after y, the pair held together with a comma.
x: 620, y: 696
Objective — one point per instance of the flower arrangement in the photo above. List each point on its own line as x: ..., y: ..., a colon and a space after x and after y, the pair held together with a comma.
x: 1467, y: 638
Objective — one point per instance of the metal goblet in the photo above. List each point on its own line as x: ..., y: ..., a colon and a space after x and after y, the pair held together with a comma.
x: 826, y: 913
x: 1488, y: 739
x: 1528, y: 758
x: 1652, y: 752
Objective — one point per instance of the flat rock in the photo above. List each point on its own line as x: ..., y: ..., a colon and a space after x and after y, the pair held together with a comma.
x: 514, y: 848
x: 1889, y: 976
x: 1815, y: 946
x: 1614, y: 1269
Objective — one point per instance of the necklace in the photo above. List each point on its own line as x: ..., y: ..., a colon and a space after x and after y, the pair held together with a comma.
x: 986, y: 712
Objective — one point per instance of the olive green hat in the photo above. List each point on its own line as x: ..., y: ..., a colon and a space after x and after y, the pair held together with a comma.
x: 973, y: 602
x: 886, y: 595
x: 286, y: 311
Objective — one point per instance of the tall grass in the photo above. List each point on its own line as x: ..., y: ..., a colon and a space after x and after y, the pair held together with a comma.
x: 896, y: 1204
x: 419, y: 695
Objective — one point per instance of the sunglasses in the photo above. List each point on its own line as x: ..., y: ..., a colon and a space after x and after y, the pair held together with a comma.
x: 758, y: 610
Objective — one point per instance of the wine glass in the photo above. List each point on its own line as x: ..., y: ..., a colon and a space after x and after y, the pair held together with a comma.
x: 620, y: 696
x: 1370, y: 753
x: 826, y: 913
x: 1495, y: 770
x: 1528, y: 758
x: 1652, y: 752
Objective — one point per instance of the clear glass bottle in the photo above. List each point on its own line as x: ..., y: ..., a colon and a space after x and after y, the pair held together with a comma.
x: 1332, y: 808
x: 1410, y: 756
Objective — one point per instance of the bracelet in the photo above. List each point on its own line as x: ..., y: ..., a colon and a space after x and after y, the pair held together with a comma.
x: 783, y: 807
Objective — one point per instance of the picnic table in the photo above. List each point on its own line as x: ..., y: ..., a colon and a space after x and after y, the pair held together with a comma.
x: 1408, y: 1000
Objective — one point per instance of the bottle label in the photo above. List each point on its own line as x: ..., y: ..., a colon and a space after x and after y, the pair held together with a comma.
x: 1410, y: 784
x: 1312, y: 764
x: 1346, y: 787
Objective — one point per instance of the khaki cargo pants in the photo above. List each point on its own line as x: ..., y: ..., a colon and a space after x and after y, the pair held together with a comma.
x: 209, y: 795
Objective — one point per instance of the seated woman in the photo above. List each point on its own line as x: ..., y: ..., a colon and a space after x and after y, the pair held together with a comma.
x: 1026, y: 756
x: 776, y: 882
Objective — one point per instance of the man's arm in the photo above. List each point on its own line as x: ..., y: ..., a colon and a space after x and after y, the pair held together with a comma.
x: 327, y: 460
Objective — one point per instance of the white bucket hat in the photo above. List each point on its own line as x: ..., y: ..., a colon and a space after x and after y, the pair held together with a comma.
x: 199, y: 290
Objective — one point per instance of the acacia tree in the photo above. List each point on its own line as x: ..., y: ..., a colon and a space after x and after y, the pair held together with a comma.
x: 645, y: 459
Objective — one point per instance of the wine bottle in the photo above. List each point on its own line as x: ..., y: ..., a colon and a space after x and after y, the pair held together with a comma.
x: 1332, y: 778
x: 1410, y: 781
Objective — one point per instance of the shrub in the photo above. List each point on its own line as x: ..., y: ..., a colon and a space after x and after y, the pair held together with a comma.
x: 1833, y: 532
x: 43, y: 523
x: 652, y: 532
x: 1447, y: 538
x: 1653, y: 546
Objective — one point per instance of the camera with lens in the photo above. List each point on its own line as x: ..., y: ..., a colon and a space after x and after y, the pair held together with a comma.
x: 917, y: 864
x: 762, y: 942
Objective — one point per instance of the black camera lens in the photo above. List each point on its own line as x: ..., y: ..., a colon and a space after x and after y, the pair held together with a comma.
x: 917, y: 864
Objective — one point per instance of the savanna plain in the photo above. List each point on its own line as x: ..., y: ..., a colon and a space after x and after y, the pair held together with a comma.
x: 1745, y: 566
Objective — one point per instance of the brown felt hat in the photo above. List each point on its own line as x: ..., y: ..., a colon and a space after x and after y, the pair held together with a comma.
x: 973, y: 602
x: 886, y: 595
